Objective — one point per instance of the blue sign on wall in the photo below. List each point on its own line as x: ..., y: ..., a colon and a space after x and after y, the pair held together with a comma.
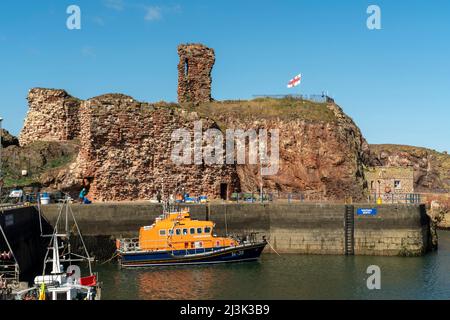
x: 366, y: 211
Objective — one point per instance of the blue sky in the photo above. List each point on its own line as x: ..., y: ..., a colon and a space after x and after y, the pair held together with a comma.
x: 393, y: 82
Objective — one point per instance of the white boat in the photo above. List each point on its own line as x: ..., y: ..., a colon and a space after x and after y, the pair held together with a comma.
x: 60, y: 283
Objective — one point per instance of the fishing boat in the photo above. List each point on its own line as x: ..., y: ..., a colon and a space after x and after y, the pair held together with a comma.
x: 176, y: 239
x: 60, y: 283
x: 9, y: 269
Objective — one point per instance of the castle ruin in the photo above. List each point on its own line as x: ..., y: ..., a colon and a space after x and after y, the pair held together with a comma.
x: 194, y: 73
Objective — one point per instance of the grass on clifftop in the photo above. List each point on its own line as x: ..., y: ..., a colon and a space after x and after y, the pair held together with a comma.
x: 267, y: 108
x: 37, y: 158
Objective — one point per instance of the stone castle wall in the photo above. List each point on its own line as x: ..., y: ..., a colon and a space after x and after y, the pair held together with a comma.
x: 52, y: 116
x: 194, y: 73
x: 126, y: 151
x: 396, y: 230
x: 125, y: 145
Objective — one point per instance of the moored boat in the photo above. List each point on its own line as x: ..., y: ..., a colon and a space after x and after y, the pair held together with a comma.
x: 176, y: 239
x: 60, y: 283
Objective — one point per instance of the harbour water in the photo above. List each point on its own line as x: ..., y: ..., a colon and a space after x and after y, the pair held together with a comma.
x: 288, y: 277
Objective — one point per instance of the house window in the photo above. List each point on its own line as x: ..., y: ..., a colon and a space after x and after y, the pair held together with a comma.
x: 397, y: 184
x: 371, y: 184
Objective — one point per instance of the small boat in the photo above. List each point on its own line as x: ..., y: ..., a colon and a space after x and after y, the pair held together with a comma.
x: 62, y: 284
x: 176, y: 239
x: 9, y: 269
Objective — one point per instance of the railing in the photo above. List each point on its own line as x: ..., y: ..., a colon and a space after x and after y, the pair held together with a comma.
x: 320, y: 98
x: 134, y: 245
x: 392, y: 198
x: 300, y: 197
x: 286, y: 197
x: 27, y: 197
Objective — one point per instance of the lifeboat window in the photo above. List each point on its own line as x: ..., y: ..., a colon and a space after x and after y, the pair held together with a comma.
x: 162, y: 232
x: 185, y: 231
x: 170, y: 232
x: 192, y: 230
x: 199, y: 230
x: 178, y: 231
x: 207, y: 230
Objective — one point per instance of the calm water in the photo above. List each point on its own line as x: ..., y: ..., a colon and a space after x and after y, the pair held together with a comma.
x: 288, y: 277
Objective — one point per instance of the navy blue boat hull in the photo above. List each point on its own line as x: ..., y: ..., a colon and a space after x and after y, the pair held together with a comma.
x: 248, y: 252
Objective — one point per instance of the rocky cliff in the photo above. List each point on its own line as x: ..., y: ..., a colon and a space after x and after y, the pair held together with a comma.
x: 47, y: 165
x: 322, y: 151
x: 431, y: 168
x: 125, y: 146
x: 8, y: 139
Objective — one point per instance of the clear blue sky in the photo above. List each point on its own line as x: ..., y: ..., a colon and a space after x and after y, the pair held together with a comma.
x: 394, y: 82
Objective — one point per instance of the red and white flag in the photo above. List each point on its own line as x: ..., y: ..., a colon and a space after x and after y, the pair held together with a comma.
x: 295, y: 81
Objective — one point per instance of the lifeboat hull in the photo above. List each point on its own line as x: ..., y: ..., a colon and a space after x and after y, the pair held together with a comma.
x: 245, y: 252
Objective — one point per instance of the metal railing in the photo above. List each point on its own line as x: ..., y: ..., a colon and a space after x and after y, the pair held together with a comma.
x: 319, y: 98
x: 393, y: 198
x: 306, y: 197
x: 285, y: 197
x: 134, y: 245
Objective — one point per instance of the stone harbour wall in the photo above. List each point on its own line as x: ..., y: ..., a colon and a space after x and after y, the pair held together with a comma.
x: 396, y: 230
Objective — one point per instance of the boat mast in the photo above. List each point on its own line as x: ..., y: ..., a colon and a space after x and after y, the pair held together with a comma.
x: 54, y: 244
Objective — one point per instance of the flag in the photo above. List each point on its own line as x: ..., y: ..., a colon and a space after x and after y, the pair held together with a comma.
x: 295, y: 81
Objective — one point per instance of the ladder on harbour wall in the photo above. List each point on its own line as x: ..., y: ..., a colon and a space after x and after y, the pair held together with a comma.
x: 349, y: 230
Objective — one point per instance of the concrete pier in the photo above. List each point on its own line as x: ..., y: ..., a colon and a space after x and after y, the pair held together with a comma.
x: 290, y: 228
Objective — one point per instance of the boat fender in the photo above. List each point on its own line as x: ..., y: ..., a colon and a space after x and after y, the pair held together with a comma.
x: 5, y: 255
x: 117, y: 244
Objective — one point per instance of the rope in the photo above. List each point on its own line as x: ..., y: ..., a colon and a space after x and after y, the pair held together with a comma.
x: 272, y: 248
x: 109, y: 260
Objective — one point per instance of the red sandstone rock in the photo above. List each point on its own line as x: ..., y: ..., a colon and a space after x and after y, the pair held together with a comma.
x: 126, y: 151
x: 52, y: 116
x: 194, y: 73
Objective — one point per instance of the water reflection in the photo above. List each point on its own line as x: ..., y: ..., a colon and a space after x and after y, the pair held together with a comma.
x: 176, y: 283
x: 287, y: 277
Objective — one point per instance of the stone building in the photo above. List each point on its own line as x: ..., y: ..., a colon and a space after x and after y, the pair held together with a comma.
x: 194, y: 73
x: 390, y: 180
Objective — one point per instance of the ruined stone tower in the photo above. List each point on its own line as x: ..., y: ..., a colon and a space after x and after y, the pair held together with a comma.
x: 52, y: 116
x: 194, y: 73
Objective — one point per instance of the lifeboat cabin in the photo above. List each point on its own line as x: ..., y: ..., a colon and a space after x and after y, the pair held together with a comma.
x: 176, y: 239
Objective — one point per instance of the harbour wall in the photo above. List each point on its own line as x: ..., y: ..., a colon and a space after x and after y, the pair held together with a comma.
x: 395, y: 230
x: 23, y: 229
